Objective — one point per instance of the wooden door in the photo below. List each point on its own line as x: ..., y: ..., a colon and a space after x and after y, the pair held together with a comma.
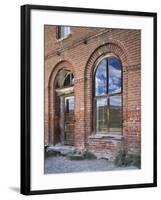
x: 69, y: 120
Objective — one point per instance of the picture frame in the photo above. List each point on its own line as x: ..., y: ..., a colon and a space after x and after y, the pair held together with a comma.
x: 33, y: 21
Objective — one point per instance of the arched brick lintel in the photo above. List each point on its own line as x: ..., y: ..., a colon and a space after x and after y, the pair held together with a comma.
x: 116, y: 48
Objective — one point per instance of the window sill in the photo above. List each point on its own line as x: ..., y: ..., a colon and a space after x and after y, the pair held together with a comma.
x: 115, y: 136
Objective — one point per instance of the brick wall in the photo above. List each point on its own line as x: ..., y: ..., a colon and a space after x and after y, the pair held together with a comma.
x: 79, y: 53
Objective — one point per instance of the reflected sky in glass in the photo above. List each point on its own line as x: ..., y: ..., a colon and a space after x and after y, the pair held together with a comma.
x: 116, y: 101
x: 114, y: 77
x: 114, y: 67
x: 101, y: 79
x: 70, y: 104
x: 101, y: 102
x: 65, y: 30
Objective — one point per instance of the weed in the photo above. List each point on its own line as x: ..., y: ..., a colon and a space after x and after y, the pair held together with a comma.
x: 74, y: 156
x: 89, y: 155
x: 123, y: 158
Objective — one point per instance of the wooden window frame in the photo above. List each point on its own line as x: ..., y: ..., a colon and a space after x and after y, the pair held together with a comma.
x: 106, y: 96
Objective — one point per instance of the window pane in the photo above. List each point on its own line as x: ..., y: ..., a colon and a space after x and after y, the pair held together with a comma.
x: 115, y: 113
x: 67, y: 81
x: 65, y: 30
x: 61, y: 32
x: 101, y: 115
x: 69, y: 104
x: 101, y: 79
x: 114, y: 67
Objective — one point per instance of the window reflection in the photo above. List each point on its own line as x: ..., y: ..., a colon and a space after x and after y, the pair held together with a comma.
x: 69, y: 104
x: 115, y: 113
x: 114, y: 75
x: 101, y: 79
x: 63, y: 31
x: 66, y: 30
x: 101, y: 114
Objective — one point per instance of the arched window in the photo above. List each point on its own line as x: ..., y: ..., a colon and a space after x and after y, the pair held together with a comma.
x: 108, y: 96
x: 64, y: 79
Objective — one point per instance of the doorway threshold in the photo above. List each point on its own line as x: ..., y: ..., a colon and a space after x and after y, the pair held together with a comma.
x: 62, y: 149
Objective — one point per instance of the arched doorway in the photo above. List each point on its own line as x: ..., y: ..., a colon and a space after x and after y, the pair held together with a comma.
x: 64, y: 107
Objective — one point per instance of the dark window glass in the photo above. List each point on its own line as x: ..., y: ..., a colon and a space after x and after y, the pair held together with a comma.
x: 101, y: 115
x: 115, y: 113
x: 70, y: 105
x: 67, y: 81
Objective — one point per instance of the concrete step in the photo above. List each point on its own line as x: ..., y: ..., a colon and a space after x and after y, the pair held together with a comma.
x: 62, y: 149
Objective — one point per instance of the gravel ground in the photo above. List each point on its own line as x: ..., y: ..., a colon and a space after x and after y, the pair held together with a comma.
x: 60, y: 164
